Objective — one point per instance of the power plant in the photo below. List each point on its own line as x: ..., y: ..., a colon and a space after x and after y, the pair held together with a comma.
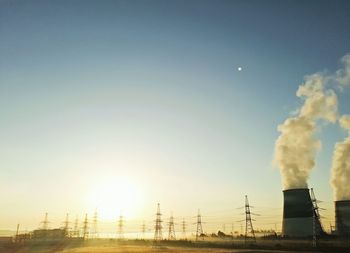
x: 299, y: 215
x: 342, y: 218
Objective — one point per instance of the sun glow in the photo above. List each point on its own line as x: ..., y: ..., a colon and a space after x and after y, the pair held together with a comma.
x: 115, y: 196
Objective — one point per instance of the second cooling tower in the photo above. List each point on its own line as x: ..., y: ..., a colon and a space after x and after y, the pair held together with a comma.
x: 298, y: 214
x: 342, y: 218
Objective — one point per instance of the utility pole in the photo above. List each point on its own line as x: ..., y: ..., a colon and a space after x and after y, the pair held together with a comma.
x: 85, y: 227
x: 158, y: 227
x: 199, y: 231
x: 249, y: 230
x: 171, y: 234
x: 184, y: 229
x: 121, y: 228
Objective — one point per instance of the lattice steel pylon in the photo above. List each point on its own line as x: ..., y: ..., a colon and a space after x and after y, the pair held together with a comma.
x: 183, y: 229
x: 86, y: 227
x: 66, y: 225
x: 316, y: 225
x: 94, y: 225
x: 121, y: 227
x: 171, y: 234
x: 45, y: 222
x: 76, y: 227
x: 199, y: 230
x: 143, y: 230
x: 249, y: 230
x: 158, y: 227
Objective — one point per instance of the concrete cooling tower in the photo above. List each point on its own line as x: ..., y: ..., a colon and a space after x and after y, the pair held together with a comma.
x: 298, y: 214
x: 342, y: 218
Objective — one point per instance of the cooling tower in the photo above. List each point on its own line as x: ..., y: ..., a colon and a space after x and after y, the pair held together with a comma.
x: 342, y: 217
x: 298, y: 214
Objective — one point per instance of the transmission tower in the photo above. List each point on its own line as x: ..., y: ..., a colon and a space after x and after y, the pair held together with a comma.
x: 95, y: 234
x: 184, y: 229
x: 158, y: 227
x: 17, y: 234
x: 199, y: 231
x: 317, y: 225
x: 121, y: 227
x: 249, y: 230
x: 143, y: 230
x: 66, y: 225
x: 45, y: 222
x: 85, y: 227
x: 171, y: 234
x: 76, y: 227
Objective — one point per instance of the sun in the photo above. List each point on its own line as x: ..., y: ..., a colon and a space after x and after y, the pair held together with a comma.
x: 115, y: 196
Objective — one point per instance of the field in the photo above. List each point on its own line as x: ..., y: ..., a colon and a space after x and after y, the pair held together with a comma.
x: 136, y: 246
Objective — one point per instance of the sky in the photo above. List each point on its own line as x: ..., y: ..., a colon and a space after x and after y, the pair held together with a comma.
x: 116, y: 106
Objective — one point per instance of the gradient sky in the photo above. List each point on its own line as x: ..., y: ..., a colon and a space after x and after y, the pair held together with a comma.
x: 147, y: 94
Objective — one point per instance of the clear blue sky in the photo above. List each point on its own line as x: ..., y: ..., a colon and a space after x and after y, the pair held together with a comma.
x: 149, y: 91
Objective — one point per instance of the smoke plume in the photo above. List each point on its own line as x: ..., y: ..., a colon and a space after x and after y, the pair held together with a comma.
x: 297, y: 145
x: 341, y: 164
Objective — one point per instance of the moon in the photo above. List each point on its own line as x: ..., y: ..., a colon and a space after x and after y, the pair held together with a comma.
x: 239, y: 68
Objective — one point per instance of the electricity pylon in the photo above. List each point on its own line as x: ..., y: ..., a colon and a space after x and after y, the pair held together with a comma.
x: 184, y: 229
x: 76, y: 227
x: 249, y: 230
x: 66, y: 225
x: 45, y: 222
x: 199, y: 231
x: 317, y: 225
x: 95, y: 233
x: 85, y: 228
x: 143, y: 230
x: 158, y: 227
x: 121, y: 228
x: 171, y: 234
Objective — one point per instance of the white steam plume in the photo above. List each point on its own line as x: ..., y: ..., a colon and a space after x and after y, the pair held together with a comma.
x: 341, y: 164
x: 296, y: 147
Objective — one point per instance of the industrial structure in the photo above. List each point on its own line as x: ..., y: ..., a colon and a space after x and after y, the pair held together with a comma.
x: 342, y: 218
x: 158, y: 227
x: 300, y: 218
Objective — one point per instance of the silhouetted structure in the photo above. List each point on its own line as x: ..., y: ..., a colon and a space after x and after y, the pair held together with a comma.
x: 342, y: 218
x: 76, y: 232
x: 85, y: 228
x: 143, y: 230
x: 183, y: 229
x: 94, y: 225
x: 121, y: 228
x: 158, y: 227
x: 171, y: 234
x: 299, y: 217
x: 249, y: 230
x: 45, y: 222
x: 199, y: 230
x: 66, y: 225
